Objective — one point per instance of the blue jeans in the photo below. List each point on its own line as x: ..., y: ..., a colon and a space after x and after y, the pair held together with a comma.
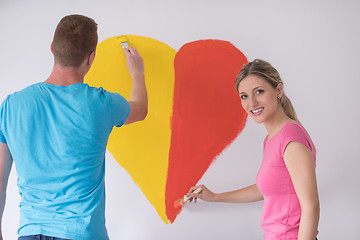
x: 39, y: 237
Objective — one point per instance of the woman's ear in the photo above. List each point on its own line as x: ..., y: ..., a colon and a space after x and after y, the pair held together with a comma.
x: 279, y: 89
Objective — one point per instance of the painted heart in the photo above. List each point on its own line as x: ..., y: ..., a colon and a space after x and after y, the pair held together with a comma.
x: 194, y: 113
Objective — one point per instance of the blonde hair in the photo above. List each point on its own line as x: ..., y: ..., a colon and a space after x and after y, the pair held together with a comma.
x: 267, y: 72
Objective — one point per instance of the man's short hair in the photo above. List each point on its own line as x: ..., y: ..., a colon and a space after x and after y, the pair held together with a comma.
x: 74, y: 39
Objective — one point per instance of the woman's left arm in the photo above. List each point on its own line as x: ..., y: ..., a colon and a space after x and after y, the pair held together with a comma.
x: 301, y: 166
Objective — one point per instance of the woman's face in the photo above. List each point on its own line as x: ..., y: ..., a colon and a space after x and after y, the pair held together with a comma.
x: 258, y: 98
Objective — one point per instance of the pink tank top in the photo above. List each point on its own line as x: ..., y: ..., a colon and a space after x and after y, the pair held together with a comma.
x: 281, y: 212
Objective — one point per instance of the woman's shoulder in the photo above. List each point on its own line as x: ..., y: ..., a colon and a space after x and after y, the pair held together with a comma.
x: 294, y: 131
x: 293, y: 128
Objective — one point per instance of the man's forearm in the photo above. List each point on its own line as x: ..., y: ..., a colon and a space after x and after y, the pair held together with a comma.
x: 138, y: 91
x: 2, y: 206
x: 138, y: 100
x: 138, y: 97
x: 5, y: 168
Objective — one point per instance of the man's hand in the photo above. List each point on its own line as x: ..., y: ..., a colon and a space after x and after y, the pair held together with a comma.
x: 134, y: 62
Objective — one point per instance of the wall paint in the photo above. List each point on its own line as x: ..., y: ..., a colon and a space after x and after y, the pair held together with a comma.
x: 173, y: 147
x: 142, y: 148
x: 314, y: 45
x: 207, y: 113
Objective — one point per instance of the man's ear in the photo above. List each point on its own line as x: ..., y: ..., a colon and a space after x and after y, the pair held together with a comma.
x: 51, y: 48
x: 91, y: 57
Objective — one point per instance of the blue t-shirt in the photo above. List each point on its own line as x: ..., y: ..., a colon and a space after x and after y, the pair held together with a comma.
x: 57, y: 136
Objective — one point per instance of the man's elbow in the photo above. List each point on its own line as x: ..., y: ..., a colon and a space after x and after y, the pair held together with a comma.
x: 143, y: 114
x: 143, y: 111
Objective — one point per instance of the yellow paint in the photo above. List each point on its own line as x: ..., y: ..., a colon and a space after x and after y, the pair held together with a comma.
x: 142, y: 148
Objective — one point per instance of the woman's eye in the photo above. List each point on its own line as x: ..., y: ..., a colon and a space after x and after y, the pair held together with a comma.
x: 259, y: 91
x: 243, y: 96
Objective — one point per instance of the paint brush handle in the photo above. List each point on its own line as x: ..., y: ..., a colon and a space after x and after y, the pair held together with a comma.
x: 198, y: 190
x: 186, y: 198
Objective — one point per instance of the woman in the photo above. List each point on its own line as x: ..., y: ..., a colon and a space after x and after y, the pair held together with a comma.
x: 286, y: 180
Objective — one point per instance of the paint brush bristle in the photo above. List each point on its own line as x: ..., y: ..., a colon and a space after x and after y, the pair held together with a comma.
x: 179, y: 202
x: 123, y: 41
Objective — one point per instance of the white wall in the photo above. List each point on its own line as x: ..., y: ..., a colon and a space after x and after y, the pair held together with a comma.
x: 314, y: 45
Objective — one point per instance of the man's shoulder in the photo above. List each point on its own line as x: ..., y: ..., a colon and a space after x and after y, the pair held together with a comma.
x: 26, y: 90
x: 31, y: 89
x: 100, y: 91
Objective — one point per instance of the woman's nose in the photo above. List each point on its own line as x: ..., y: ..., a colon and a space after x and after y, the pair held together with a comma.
x: 253, y: 101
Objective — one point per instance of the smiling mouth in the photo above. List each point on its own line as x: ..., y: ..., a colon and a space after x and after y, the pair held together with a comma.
x: 257, y: 110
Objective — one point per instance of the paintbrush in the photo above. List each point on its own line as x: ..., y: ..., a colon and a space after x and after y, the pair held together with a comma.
x: 185, y: 198
x: 123, y: 41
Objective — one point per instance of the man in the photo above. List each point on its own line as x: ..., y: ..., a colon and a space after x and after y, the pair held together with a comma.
x: 56, y: 133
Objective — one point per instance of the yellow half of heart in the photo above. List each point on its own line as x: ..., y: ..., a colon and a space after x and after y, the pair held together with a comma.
x: 142, y: 148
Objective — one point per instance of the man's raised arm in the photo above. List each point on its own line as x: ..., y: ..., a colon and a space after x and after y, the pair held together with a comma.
x: 138, y: 98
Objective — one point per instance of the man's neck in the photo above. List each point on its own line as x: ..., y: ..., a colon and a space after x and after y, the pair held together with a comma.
x: 65, y: 76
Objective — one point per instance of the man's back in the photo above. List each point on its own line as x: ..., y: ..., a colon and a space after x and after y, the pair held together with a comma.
x: 57, y: 136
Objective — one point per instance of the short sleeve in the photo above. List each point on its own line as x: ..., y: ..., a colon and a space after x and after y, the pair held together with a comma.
x: 120, y: 109
x: 294, y: 132
x: 2, y: 137
x: 2, y: 113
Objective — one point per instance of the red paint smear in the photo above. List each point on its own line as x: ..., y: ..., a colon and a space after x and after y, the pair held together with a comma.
x: 207, y: 113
